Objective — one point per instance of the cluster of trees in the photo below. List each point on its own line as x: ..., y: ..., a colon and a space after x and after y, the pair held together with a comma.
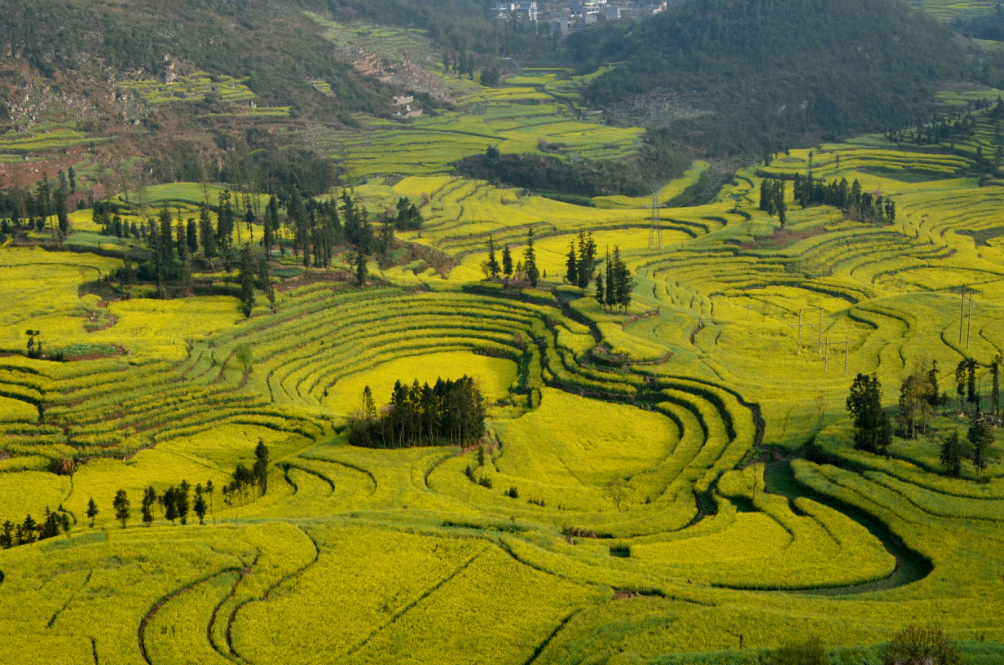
x: 918, y: 398
x: 408, y: 217
x: 583, y: 177
x: 524, y: 270
x: 614, y: 289
x: 968, y: 384
x: 581, y: 262
x: 874, y: 428
x: 30, y: 531
x: 975, y: 448
x: 248, y: 484
x: 176, y: 504
x: 27, y: 209
x: 865, y: 206
x: 772, y: 197
x: 450, y: 413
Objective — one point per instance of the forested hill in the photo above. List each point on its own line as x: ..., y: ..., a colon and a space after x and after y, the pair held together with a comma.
x: 768, y: 74
x: 273, y: 43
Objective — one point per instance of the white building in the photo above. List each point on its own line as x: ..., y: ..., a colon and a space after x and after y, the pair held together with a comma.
x: 527, y: 10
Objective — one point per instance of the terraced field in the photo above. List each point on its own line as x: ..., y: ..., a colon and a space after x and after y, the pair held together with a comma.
x: 672, y: 483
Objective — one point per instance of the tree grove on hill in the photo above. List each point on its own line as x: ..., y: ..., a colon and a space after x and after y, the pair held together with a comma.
x: 874, y: 430
x: 857, y: 204
x: 451, y: 413
x: 614, y: 288
x: 581, y: 263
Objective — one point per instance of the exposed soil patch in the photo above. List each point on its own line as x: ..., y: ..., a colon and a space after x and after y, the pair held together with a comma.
x: 782, y: 239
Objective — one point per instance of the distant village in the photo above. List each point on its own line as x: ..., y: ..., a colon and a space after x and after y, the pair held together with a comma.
x: 571, y: 15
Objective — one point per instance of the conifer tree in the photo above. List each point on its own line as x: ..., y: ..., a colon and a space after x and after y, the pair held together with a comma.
x: 149, y: 498
x: 530, y: 261
x: 951, y: 454
x: 261, y: 466
x: 572, y: 265
x: 265, y: 280
x: 587, y: 259
x: 200, y: 505
x: 208, y: 236
x: 601, y: 295
x: 506, y: 262
x: 181, y: 501
x: 248, y: 270
x: 192, y: 237
x: 121, y: 506
x: 493, y: 264
x: 610, y: 297
x: 361, y: 268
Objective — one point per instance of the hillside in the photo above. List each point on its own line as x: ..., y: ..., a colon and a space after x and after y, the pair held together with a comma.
x: 769, y: 74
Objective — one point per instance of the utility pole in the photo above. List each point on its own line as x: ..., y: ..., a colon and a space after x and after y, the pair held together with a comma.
x: 655, y: 230
x: 847, y: 351
x: 804, y: 325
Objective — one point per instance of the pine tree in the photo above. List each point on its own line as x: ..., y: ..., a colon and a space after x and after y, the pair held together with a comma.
x: 587, y: 259
x: 506, y: 262
x: 951, y: 454
x: 271, y: 224
x: 149, y: 498
x: 121, y: 506
x: 981, y: 435
x: 261, y: 466
x: 623, y: 284
x: 530, y: 261
x: 601, y: 295
x: 208, y: 236
x: 73, y: 180
x: 611, y: 297
x: 248, y: 270
x: 181, y: 501
x: 265, y: 280
x: 493, y: 264
x: 361, y: 269
x: 572, y: 265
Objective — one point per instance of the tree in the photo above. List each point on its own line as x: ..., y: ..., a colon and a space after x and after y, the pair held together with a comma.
x: 623, y: 284
x: 248, y: 272
x: 181, y: 501
x: 149, y: 498
x: 916, y: 645
x: 601, y: 294
x: 208, y: 237
x: 981, y: 435
x: 530, y: 260
x: 865, y: 407
x: 951, y: 454
x: 170, y: 505
x: 261, y: 466
x: 192, y: 236
x: 572, y: 265
x: 209, y: 491
x: 617, y: 490
x: 934, y: 399
x: 506, y: 262
x: 92, y: 511
x: 493, y: 264
x: 200, y: 505
x: 121, y: 506
x: 587, y: 259
x: 961, y: 375
x: 914, y: 400
x: 62, y: 214
x: 73, y: 180
x: 361, y: 268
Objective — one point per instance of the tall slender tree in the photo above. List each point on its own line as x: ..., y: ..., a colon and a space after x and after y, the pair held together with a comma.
x: 530, y: 260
